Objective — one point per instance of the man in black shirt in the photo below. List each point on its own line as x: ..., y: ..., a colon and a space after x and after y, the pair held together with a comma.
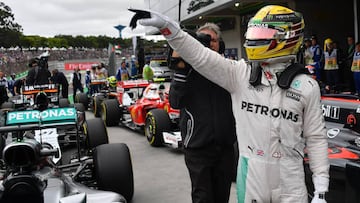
x: 60, y: 79
x: 19, y: 83
x: 76, y: 81
x: 37, y: 75
x: 207, y: 125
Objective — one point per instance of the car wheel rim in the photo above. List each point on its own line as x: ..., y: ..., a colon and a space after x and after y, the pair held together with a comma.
x: 149, y: 131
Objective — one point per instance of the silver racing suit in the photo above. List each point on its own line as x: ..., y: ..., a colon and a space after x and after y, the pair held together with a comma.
x: 273, y: 125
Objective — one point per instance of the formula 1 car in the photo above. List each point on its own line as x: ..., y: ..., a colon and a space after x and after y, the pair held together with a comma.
x: 141, y: 105
x: 33, y: 168
x: 93, y: 101
x: 116, y: 109
x: 26, y: 100
x: 342, y: 116
x: 41, y: 97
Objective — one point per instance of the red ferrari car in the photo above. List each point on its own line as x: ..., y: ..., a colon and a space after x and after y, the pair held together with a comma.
x: 141, y: 105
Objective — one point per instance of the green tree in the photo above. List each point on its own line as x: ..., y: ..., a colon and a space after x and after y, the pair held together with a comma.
x: 57, y: 42
x: 10, y: 31
x: 35, y: 41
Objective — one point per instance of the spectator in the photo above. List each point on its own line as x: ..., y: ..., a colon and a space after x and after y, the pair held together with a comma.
x: 3, y: 80
x: 308, y: 56
x: 317, y: 56
x: 60, y: 79
x: 94, y: 76
x: 133, y: 69
x: 147, y: 72
x: 355, y: 68
x: 331, y: 66
x: 348, y: 75
x: 88, y: 82
x: 19, y: 83
x: 122, y: 73
x: 104, y: 70
x: 75, y: 81
x: 101, y: 72
x: 208, y: 140
x: 276, y: 115
x: 3, y: 88
x: 11, y: 82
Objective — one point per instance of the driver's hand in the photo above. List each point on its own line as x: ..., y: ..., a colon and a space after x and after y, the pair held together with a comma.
x: 318, y: 199
x: 168, y: 27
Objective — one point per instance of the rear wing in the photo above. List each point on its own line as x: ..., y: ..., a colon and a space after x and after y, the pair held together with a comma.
x: 127, y: 84
x: 98, y: 81
x: 133, y: 87
x: 34, y: 89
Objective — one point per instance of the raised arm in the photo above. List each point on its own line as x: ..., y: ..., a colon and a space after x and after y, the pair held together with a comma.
x: 207, y: 62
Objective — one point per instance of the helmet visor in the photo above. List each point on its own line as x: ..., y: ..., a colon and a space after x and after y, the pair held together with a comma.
x: 261, y: 33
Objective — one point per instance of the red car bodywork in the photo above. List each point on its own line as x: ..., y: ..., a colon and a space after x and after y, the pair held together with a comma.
x: 150, y: 96
x: 153, y: 97
x: 124, y: 86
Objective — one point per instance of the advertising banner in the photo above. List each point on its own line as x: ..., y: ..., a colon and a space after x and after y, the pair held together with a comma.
x: 81, y: 65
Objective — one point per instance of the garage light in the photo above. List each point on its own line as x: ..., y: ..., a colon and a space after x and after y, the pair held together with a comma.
x: 237, y: 4
x: 200, y: 17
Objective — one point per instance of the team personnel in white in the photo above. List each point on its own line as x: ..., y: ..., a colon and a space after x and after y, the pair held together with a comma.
x: 277, y: 113
x: 331, y: 66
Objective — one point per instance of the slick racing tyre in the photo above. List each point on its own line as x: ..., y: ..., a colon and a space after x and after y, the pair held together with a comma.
x: 64, y: 102
x: 113, y: 169
x: 82, y: 98
x: 79, y: 107
x: 110, y: 112
x: 97, y: 105
x: 95, y: 133
x: 157, y: 121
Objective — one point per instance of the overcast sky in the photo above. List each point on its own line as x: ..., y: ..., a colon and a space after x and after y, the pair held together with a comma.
x: 48, y: 18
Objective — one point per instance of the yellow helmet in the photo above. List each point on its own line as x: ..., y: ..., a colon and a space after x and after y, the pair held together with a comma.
x: 274, y: 31
x: 112, y: 81
x: 326, y: 42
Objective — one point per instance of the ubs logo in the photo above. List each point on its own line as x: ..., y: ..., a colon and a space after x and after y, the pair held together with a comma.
x: 333, y: 132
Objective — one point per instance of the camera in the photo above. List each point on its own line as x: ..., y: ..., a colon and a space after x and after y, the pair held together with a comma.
x: 205, y: 39
x: 42, y: 60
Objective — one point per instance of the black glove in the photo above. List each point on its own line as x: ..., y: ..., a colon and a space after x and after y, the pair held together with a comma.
x: 139, y: 14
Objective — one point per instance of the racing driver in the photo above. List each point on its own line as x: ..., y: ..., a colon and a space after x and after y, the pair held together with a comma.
x: 276, y: 107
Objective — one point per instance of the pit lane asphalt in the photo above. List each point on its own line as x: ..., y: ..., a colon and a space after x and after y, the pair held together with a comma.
x: 160, y: 174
